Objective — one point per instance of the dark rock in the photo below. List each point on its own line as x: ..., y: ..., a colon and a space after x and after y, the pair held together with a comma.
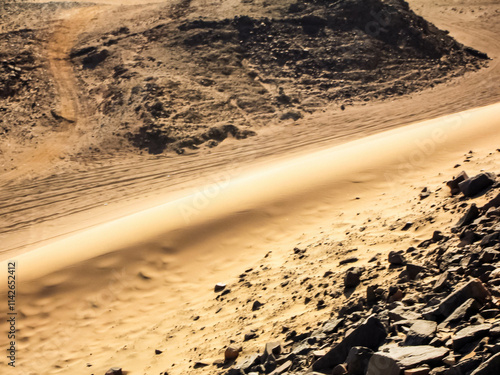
x: 232, y: 352
x: 273, y: 348
x: 396, y: 258
x: 424, y: 193
x: 114, y: 371
x: 219, y: 287
x: 441, y: 282
x: 369, y: 334
x: 407, y: 357
x: 256, y: 305
x: 490, y: 367
x: 158, y: 351
x: 495, y: 202
x: 477, y: 184
x: 249, y: 336
x: 470, y: 334
x: 463, y: 312
x: 348, y: 260
x: 453, y: 184
x: 469, y: 216
x: 472, y: 289
x: 198, y: 365
x: 421, y: 332
x: 413, y: 270
x: 437, y: 236
x: 357, y: 360
x: 332, y: 326
x: 352, y: 277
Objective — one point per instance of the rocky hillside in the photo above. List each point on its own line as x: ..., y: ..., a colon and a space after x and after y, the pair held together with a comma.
x: 195, y: 77
x: 439, y: 315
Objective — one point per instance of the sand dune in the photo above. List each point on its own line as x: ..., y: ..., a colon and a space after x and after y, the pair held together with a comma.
x: 105, y: 287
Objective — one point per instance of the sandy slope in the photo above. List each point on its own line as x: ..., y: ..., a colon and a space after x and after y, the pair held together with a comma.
x: 111, y: 295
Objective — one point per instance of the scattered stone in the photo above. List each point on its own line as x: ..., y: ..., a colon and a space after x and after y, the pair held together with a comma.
x: 369, y: 334
x: 348, y: 260
x: 352, y: 278
x: 273, y: 348
x: 158, y: 351
x: 472, y: 289
x: 469, y: 334
x: 199, y: 364
x: 396, y: 258
x: 219, y: 287
x: 441, y: 282
x: 232, y: 352
x: 410, y: 356
x: 453, y: 184
x: 256, y: 305
x: 421, y: 332
x: 493, y: 203
x: 471, y: 215
x: 114, y: 371
x: 413, y: 270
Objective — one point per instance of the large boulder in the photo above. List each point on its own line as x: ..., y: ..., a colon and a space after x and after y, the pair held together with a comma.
x: 475, y: 185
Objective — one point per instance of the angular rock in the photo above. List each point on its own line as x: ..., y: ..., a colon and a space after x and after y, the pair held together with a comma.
x: 413, y: 270
x: 413, y: 356
x: 273, y: 348
x: 396, y: 258
x: 357, y: 360
x: 464, y: 311
x: 256, y: 305
x: 475, y: 185
x: 282, y: 369
x: 381, y: 364
x: 470, y: 215
x: 370, y: 334
x: 472, y: 289
x: 453, y: 184
x: 352, y: 278
x: 219, y: 287
x: 248, y: 362
x: 495, y: 202
x: 421, y: 332
x: 441, y: 282
x: 469, y: 334
x: 490, y: 367
x: 114, y: 371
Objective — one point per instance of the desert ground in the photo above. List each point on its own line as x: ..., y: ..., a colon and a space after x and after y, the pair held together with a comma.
x: 152, y: 150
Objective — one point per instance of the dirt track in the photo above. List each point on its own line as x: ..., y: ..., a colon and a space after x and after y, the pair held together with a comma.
x: 35, y: 211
